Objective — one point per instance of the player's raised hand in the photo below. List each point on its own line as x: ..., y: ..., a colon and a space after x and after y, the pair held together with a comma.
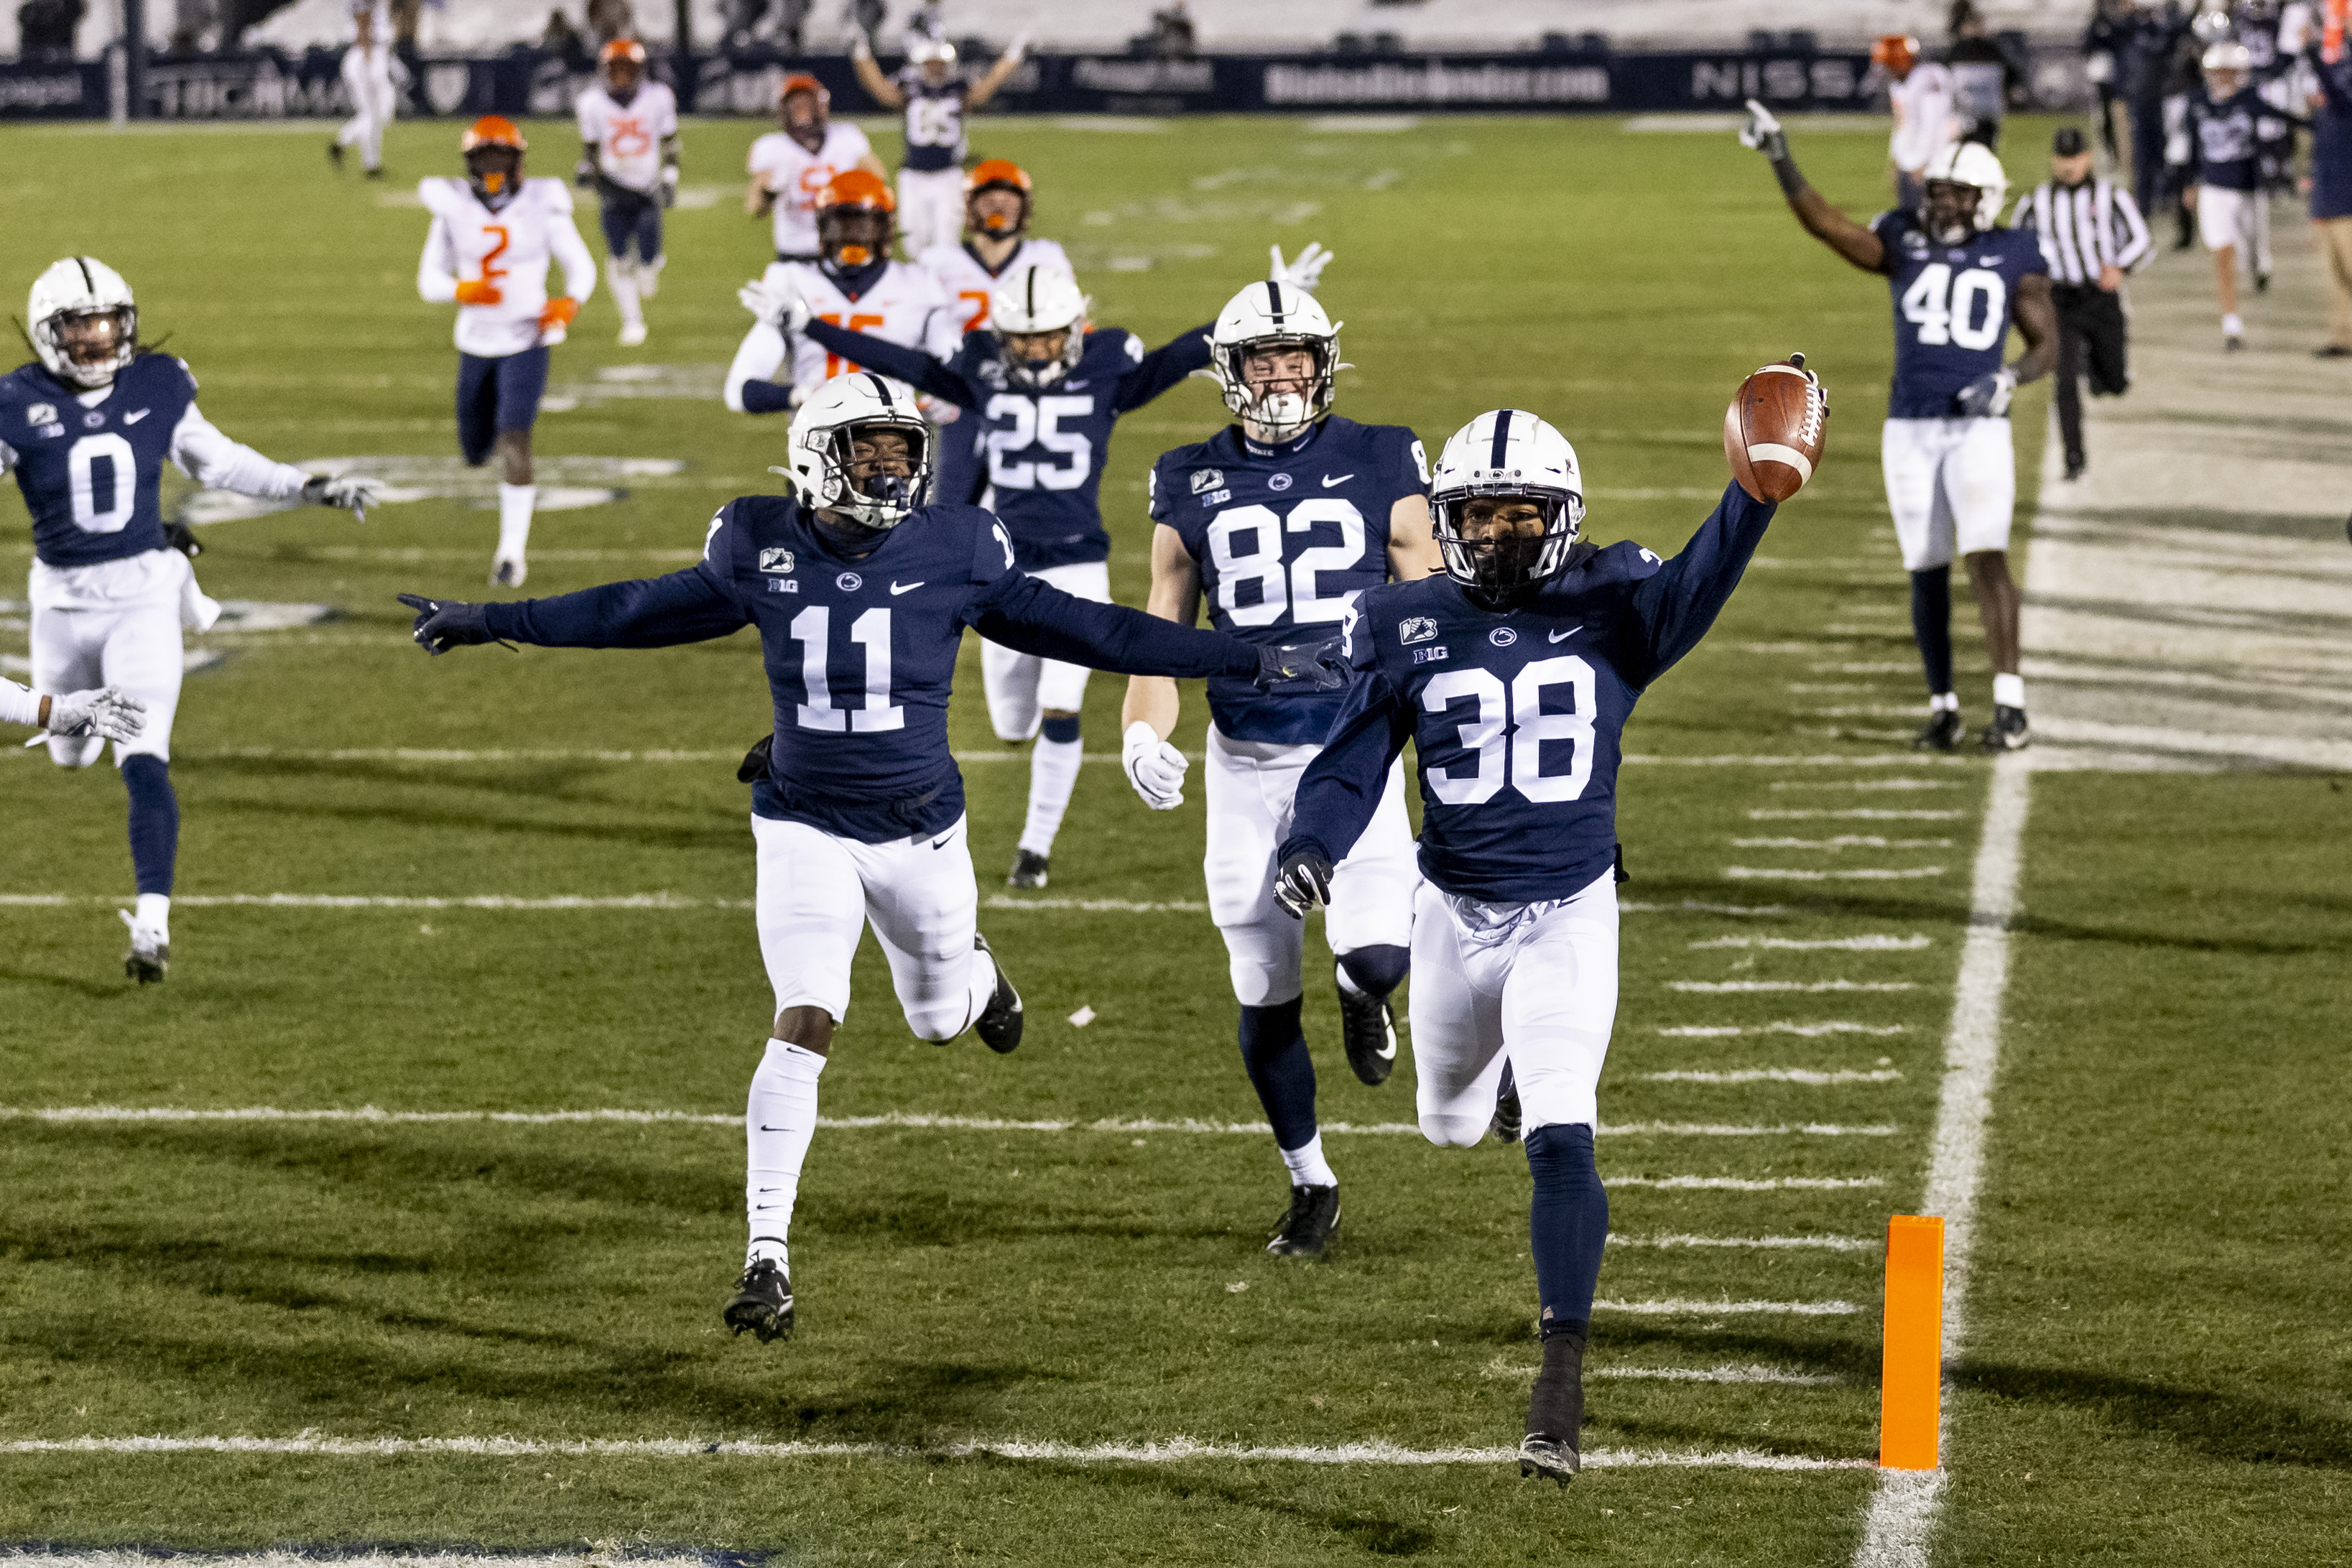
x: 1303, y: 271
x: 1155, y: 767
x: 445, y: 623
x: 1763, y: 132
x: 1018, y: 49
x: 1987, y: 396
x: 354, y: 493
x: 779, y: 305
x: 1303, y: 883
x: 1314, y: 664
x: 102, y: 711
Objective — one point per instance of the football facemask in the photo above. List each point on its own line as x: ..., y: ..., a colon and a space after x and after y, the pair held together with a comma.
x: 1507, y: 502
x: 879, y: 487
x: 1949, y: 212
x: 1271, y: 318
x: 85, y: 322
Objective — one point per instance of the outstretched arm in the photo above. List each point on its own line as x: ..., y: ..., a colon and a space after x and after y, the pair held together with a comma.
x: 998, y: 74
x: 916, y: 368
x: 1674, y: 605
x: 687, y: 606
x: 1032, y: 616
x: 1164, y: 367
x: 869, y: 76
x: 1342, y: 786
x: 1822, y: 220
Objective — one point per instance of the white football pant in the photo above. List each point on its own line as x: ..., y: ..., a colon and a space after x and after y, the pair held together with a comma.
x: 1531, y: 984
x: 930, y: 207
x: 1251, y: 786
x: 367, y: 78
x: 1021, y: 686
x: 2240, y: 218
x: 818, y: 892
x: 1952, y: 484
x: 116, y: 623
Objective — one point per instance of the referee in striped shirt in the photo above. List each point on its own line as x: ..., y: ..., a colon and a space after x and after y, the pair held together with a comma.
x: 2091, y: 235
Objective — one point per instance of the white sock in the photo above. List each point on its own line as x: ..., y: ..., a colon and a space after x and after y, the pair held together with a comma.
x: 648, y: 274
x: 777, y: 1122
x: 1306, y: 1164
x: 515, y: 502
x: 2008, y: 691
x: 622, y: 274
x: 2232, y: 326
x: 1053, y: 773
x: 155, y: 913
x: 1944, y: 702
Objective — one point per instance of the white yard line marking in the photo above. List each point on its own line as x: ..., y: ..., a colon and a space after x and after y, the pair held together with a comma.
x: 1824, y: 759
x: 676, y: 902
x: 576, y: 754
x: 1504, y: 1367
x: 1173, y: 1450
x: 1902, y: 1517
x: 1801, y: 1031
x: 1810, y: 1077
x: 1859, y: 813
x: 1866, y: 784
x: 1843, y: 842
x: 1873, y: 944
x: 1863, y: 874
x: 1705, y: 987
x: 1695, y: 906
x: 1766, y: 1243
x: 1680, y: 1306
x: 1749, y: 1184
x: 1094, y: 905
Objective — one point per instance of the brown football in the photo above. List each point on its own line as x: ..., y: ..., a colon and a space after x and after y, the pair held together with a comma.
x: 1773, y: 431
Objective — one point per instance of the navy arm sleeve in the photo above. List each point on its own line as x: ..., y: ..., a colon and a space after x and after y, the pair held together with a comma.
x: 767, y: 397
x: 1166, y: 366
x: 686, y: 606
x: 1675, y: 604
x: 1342, y: 786
x: 1032, y: 616
x: 912, y: 366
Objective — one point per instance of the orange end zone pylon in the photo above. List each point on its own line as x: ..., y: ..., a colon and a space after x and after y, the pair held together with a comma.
x: 1911, y: 1375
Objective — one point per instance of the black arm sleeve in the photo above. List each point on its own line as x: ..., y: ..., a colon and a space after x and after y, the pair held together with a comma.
x: 1165, y: 367
x: 686, y: 606
x: 1032, y: 616
x: 1342, y: 786
x: 1675, y: 604
x: 912, y: 366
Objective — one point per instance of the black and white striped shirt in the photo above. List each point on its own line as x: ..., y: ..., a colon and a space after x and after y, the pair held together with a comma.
x: 2083, y: 229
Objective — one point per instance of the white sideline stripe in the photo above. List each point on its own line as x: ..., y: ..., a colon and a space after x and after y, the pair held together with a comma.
x: 1872, y: 944
x: 671, y: 901
x: 904, y: 1119
x: 1769, y: 1243
x: 1681, y: 1306
x: 1725, y: 986
x: 1750, y: 1373
x: 1173, y: 1450
x: 1802, y: 1030
x: 1869, y: 873
x: 1806, y: 1075
x: 577, y: 754
x: 371, y: 1557
x: 1901, y: 1520
x: 1748, y: 1184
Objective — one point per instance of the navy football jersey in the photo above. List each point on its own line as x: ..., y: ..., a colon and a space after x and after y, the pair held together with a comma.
x: 1286, y: 540
x: 861, y: 653
x: 1038, y: 455
x: 1516, y: 717
x: 93, y: 478
x: 2225, y: 141
x: 934, y: 121
x: 1952, y: 305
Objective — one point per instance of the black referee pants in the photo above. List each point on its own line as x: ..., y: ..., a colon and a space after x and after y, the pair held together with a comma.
x: 2090, y: 343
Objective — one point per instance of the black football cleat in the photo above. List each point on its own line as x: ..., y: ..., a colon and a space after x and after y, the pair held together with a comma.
x: 1368, y: 1028
x: 2007, y: 731
x: 1307, y: 1226
x: 1556, y: 1412
x: 1029, y: 870
x: 998, y: 1025
x: 762, y: 1302
x: 1940, y: 733
x: 1505, y: 1124
x: 2262, y: 283
x: 335, y: 153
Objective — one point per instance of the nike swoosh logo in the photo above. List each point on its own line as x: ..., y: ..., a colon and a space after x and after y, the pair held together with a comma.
x: 898, y: 588
x: 1388, y: 1055
x: 940, y: 843
x: 1564, y: 636
x: 765, y: 1128
x: 1329, y: 481
x: 134, y: 418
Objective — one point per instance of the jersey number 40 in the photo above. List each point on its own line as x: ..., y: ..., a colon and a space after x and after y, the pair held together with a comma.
x: 1509, y: 732
x: 1944, y: 308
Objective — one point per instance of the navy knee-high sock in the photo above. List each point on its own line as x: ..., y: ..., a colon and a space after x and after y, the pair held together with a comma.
x: 1274, y: 1049
x: 1377, y: 970
x: 1567, y: 1225
x: 154, y: 821
x: 1931, y: 625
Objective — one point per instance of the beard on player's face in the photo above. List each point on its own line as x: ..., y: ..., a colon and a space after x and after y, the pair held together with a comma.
x: 1951, y: 210
x: 1504, y: 537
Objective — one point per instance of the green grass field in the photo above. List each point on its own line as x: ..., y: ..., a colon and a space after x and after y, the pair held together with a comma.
x: 2157, y: 1371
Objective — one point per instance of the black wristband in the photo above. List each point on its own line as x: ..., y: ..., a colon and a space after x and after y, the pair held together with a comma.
x: 1784, y: 169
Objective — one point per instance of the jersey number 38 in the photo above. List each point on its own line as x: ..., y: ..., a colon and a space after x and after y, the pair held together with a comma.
x: 1510, y: 729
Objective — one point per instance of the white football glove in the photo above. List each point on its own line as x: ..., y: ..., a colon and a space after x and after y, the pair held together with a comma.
x: 1018, y: 49
x: 1763, y: 132
x: 1155, y: 767
x: 354, y: 493
x: 1303, y: 271
x: 778, y: 304
x: 861, y: 47
x: 104, y: 711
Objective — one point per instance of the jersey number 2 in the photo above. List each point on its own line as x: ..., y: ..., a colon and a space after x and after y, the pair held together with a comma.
x: 1944, y: 308
x: 813, y: 628
x: 1514, y: 721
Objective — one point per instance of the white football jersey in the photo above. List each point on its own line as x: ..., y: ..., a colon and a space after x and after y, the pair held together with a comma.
x: 511, y: 248
x: 905, y: 306
x: 1926, y: 100
x: 799, y: 176
x: 628, y: 138
x: 969, y: 284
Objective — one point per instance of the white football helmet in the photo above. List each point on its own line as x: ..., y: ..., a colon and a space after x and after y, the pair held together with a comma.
x: 1273, y: 315
x: 82, y: 289
x: 1040, y: 299
x: 1971, y: 163
x: 1511, y: 453
x: 2228, y: 56
x: 824, y: 437
x: 924, y: 48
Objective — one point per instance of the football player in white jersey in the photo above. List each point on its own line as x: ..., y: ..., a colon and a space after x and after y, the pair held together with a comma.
x: 792, y: 167
x: 371, y: 75
x: 493, y: 234
x: 628, y: 130
x: 996, y: 205
x: 853, y: 284
x: 935, y: 101
x: 87, y: 431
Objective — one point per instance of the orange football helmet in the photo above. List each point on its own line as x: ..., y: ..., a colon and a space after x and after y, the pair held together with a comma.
x: 820, y: 101
x: 856, y: 218
x: 997, y: 175
x: 621, y: 53
x: 493, y: 147
x: 1895, y: 53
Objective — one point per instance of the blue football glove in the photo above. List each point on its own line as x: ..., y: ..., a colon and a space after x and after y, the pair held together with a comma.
x: 443, y: 623
x: 1303, y: 883
x: 1315, y: 664
x: 1987, y: 396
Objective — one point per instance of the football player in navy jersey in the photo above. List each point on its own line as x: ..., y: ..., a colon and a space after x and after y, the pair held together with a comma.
x: 87, y: 431
x: 860, y: 594
x: 1280, y: 522
x: 1046, y: 387
x: 1959, y: 282
x: 1513, y: 674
